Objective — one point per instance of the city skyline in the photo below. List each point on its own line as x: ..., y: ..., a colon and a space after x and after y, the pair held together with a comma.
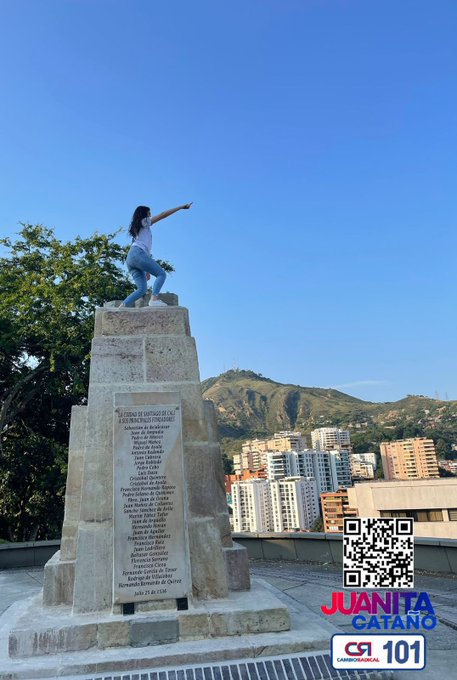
x: 324, y: 486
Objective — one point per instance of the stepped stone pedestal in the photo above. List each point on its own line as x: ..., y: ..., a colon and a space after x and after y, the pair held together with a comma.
x: 146, y: 555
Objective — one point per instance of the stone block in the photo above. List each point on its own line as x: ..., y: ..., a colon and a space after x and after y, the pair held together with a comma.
x: 201, y: 467
x: 75, y: 462
x: 100, y: 417
x: 99, y: 429
x: 223, y: 522
x: 209, y: 578
x: 24, y: 643
x: 68, y: 542
x: 117, y: 360
x: 94, y: 568
x: 97, y: 324
x: 245, y: 622
x: 170, y: 299
x: 220, y: 476
x: 74, y: 481
x: 58, y: 582
x: 155, y: 605
x: 171, y: 358
x: 97, y: 492
x: 193, y: 626
x: 237, y: 567
x: 144, y: 321
x: 153, y: 632
x: 146, y: 398
x: 113, y: 634
x: 211, y: 421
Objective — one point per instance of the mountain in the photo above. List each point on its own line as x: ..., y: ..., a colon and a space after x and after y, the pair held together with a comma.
x: 250, y: 405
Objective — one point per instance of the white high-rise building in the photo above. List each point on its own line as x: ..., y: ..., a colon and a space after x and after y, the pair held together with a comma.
x: 251, y: 502
x: 340, y: 468
x: 330, y: 469
x: 281, y: 464
x: 261, y: 505
x: 295, y: 503
x: 360, y: 469
x: 368, y: 457
x: 330, y: 438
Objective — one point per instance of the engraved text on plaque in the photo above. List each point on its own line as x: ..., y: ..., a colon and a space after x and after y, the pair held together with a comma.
x: 150, y: 548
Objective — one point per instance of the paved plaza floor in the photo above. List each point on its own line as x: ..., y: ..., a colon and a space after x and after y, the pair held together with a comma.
x: 305, y: 588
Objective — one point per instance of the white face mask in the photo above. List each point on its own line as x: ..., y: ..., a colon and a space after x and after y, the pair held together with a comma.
x: 146, y: 222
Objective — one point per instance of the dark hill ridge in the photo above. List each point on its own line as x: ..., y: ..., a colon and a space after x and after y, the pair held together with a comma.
x: 248, y: 405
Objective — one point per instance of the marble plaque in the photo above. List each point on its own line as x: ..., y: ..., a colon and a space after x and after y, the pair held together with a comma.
x: 150, y: 538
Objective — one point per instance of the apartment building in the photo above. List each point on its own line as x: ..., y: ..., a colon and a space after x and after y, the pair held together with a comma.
x: 252, y: 445
x: 369, y: 457
x: 335, y: 507
x: 413, y: 458
x: 253, y: 451
x: 280, y: 441
x: 251, y: 503
x: 286, y: 441
x: 246, y: 474
x: 330, y: 469
x: 288, y: 504
x: 330, y: 438
x: 432, y: 503
x: 294, y: 502
x: 360, y: 469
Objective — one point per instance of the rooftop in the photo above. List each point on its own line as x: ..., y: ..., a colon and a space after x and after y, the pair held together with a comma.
x: 304, y: 587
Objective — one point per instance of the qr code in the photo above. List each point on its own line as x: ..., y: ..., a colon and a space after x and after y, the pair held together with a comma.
x: 378, y: 552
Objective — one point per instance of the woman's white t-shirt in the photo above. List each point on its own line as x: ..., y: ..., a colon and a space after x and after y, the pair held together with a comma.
x: 144, y: 240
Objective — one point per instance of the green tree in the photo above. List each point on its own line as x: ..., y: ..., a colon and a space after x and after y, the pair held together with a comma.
x: 442, y: 448
x: 49, y: 292
x: 445, y: 473
x: 318, y: 525
x: 228, y: 464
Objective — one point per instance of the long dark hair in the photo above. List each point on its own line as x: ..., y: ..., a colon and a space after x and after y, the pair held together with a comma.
x: 135, y: 225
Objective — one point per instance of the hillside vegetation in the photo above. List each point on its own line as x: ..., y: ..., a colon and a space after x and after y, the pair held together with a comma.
x: 249, y: 405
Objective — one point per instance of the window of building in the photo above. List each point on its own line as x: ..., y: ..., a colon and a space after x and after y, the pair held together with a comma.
x: 417, y: 515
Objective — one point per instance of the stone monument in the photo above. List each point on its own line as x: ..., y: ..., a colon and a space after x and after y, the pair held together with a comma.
x: 146, y: 555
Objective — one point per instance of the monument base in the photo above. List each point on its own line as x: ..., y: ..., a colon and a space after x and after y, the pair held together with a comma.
x: 41, y: 630
x: 235, y: 628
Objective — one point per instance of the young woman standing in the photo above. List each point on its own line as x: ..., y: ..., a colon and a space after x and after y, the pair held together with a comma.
x: 139, y: 261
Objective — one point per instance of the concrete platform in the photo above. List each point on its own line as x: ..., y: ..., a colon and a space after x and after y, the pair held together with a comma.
x: 302, y: 587
x: 38, y: 630
x: 306, y: 633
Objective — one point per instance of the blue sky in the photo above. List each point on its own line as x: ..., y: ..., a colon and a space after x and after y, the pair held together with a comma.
x: 317, y: 139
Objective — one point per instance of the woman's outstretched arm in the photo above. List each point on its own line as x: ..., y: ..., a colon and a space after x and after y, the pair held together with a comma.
x: 167, y: 213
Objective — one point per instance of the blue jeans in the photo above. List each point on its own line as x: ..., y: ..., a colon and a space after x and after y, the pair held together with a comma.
x: 138, y: 263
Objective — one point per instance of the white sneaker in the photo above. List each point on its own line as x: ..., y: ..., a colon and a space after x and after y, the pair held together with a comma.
x: 157, y: 303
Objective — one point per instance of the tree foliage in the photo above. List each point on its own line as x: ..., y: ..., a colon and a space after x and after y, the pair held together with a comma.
x: 49, y: 292
x: 318, y: 525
